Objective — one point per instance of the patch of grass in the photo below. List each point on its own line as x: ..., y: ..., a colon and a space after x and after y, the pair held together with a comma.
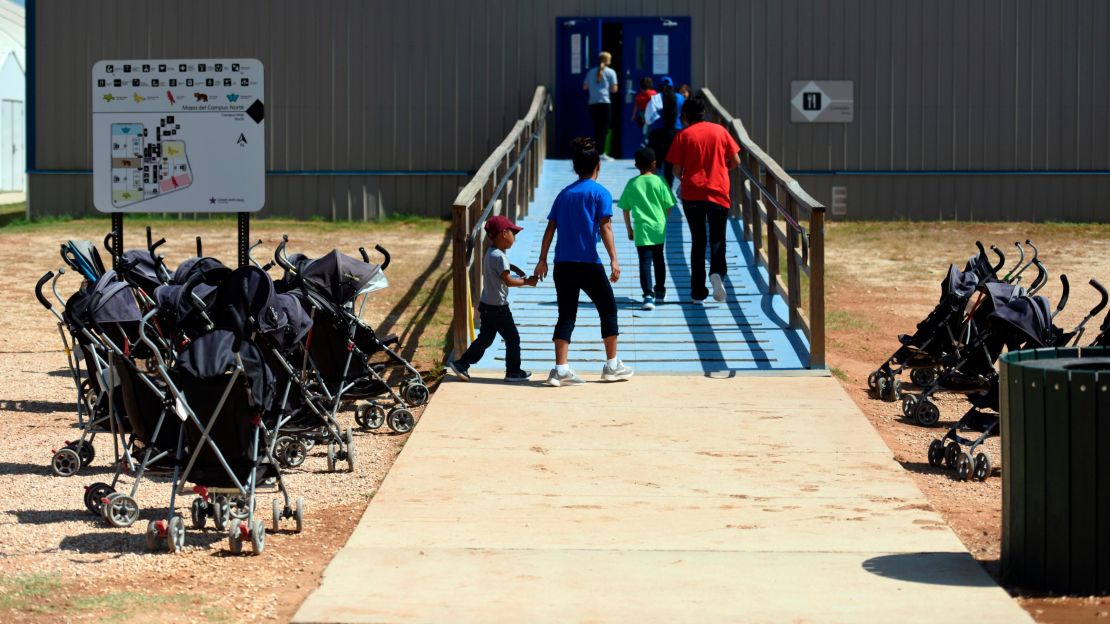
x: 11, y: 212
x: 839, y: 319
x: 838, y: 373
x: 15, y: 220
x: 28, y: 592
x: 126, y: 603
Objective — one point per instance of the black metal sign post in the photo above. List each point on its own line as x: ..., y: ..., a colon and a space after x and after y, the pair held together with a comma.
x: 117, y: 238
x: 244, y: 238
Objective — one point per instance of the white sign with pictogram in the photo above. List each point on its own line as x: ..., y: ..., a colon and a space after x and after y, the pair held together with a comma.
x: 822, y: 101
x: 178, y: 135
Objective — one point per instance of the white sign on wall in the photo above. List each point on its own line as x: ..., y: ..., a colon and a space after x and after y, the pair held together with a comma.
x: 178, y: 135
x: 822, y: 101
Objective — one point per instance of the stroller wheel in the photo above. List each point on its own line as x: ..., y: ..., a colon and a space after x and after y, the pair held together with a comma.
x: 66, y: 462
x: 963, y: 466
x: 926, y: 413
x: 106, y: 505
x: 239, y: 507
x: 123, y: 511
x: 308, y: 443
x: 84, y: 450
x: 924, y: 377
x: 235, y: 537
x: 280, y: 446
x: 951, y: 452
x: 175, y: 534
x: 982, y: 468
x: 909, y: 403
x: 936, y: 453
x: 298, y: 514
x: 94, y: 497
x: 331, y: 456
x: 199, y: 512
x: 151, y: 535
x: 401, y: 420
x: 258, y: 537
x: 416, y: 393
x: 873, y: 381
x: 350, y: 440
x: 277, y: 509
x: 220, y: 512
x: 369, y: 416
x: 295, y: 454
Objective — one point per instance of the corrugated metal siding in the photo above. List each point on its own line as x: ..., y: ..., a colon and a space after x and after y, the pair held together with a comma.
x: 429, y: 85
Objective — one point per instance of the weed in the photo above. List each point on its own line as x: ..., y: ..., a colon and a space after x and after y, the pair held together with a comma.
x: 838, y: 373
x: 127, y: 603
x: 28, y: 592
x: 839, y: 320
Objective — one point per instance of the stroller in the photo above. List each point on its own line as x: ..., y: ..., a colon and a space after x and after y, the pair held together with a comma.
x: 1026, y: 322
x: 229, y: 441
x: 342, y: 348
x: 94, y: 400
x: 938, y: 336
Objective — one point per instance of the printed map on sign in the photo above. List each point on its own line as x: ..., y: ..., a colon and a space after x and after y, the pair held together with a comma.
x: 178, y: 135
x: 143, y: 168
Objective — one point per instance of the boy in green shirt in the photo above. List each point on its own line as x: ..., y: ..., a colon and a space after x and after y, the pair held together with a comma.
x: 647, y: 202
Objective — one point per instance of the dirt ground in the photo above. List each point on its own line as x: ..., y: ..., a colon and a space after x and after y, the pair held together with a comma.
x: 59, y: 563
x: 883, y: 278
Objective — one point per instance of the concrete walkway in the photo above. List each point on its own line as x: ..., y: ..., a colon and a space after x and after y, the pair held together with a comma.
x: 663, y: 499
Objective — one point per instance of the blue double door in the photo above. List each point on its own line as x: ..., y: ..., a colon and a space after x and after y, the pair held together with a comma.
x: 641, y: 46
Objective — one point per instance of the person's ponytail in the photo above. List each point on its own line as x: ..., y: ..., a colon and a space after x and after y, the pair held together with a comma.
x: 603, y: 61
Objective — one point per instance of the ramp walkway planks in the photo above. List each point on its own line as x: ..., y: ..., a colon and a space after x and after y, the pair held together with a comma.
x: 663, y: 499
x: 748, y: 331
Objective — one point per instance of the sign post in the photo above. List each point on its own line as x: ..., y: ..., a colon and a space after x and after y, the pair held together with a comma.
x: 179, y: 136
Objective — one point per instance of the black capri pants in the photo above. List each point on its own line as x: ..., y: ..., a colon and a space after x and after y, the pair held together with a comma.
x: 572, y: 278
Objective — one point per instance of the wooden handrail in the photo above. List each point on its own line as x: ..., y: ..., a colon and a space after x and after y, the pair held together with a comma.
x: 771, y: 202
x: 504, y: 184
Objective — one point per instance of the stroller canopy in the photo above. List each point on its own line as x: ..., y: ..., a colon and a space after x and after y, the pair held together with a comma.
x: 958, y: 284
x: 1029, y: 319
x: 292, y: 321
x: 210, y: 356
x: 341, y: 278
x: 111, y: 301
x: 138, y: 268
x: 211, y: 267
x: 83, y: 257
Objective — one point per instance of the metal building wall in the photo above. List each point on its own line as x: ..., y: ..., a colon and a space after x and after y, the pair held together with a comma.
x: 360, y: 86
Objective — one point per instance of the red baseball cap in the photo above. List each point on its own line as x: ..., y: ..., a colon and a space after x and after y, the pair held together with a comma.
x: 497, y: 224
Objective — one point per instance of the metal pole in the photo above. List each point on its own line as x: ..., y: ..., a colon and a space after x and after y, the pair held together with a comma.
x: 244, y: 238
x: 117, y: 238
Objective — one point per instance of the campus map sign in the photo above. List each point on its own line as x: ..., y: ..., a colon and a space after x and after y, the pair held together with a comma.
x: 178, y: 135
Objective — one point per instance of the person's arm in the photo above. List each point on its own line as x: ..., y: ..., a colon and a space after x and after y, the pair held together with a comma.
x: 610, y: 248
x: 628, y: 224
x: 734, y: 160
x: 616, y: 81
x: 511, y: 281
x: 548, y: 235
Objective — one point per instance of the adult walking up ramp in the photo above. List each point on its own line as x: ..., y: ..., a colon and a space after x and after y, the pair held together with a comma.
x: 661, y: 499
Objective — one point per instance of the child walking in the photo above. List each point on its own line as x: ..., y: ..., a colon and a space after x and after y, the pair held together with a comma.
x: 647, y: 201
x: 493, y: 305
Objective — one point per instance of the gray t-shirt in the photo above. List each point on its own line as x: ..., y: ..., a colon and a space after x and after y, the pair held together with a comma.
x: 599, y: 91
x: 494, y: 289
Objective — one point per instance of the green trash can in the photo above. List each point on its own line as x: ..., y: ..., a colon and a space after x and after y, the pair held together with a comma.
x: 1056, y: 470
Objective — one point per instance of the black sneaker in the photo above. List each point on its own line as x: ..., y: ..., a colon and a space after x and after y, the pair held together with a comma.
x: 459, y: 371
x: 518, y: 376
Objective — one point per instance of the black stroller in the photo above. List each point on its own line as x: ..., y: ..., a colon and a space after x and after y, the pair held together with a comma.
x: 351, y: 361
x: 1026, y: 323
x: 225, y: 431
x: 939, y: 335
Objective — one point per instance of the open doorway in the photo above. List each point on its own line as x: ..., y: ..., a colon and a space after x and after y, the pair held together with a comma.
x: 640, y: 46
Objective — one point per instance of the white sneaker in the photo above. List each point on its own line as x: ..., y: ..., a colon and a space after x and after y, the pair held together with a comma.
x: 718, y: 286
x: 618, y: 373
x: 555, y: 380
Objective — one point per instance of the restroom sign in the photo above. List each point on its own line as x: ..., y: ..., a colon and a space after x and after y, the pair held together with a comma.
x: 178, y: 135
x: 821, y: 101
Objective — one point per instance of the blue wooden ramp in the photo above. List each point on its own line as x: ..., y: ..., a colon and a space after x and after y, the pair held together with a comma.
x: 749, y: 331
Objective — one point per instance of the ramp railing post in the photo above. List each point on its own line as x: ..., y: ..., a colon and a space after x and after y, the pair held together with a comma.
x: 817, y: 287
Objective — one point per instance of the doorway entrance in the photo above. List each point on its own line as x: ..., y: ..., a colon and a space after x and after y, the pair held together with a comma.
x: 641, y: 46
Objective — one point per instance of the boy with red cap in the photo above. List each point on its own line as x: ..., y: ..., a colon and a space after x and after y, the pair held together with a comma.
x: 493, y: 306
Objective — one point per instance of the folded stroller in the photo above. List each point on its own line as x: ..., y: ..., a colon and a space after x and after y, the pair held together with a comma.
x: 351, y: 361
x: 938, y: 336
x: 223, y: 391
x: 1026, y: 323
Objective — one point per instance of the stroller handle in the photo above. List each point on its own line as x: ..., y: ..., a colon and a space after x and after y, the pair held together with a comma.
x: 365, y: 256
x: 200, y: 248
x: 38, y: 290
x: 1042, y: 277
x: 1001, y: 259
x: 1102, y: 293
x: 1063, y: 296
x: 108, y: 239
x: 279, y: 254
x: 384, y: 252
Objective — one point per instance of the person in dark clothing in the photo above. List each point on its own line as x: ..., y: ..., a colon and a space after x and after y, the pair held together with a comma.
x: 661, y: 137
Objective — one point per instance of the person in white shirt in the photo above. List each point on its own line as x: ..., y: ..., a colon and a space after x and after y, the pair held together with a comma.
x: 601, y: 83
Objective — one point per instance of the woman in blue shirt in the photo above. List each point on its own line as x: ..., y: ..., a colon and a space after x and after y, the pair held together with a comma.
x: 581, y: 215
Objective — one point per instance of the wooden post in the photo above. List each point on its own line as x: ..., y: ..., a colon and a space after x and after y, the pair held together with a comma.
x: 793, y: 273
x: 772, y: 239
x: 746, y: 211
x: 756, y: 199
x: 817, y: 287
x: 460, y: 325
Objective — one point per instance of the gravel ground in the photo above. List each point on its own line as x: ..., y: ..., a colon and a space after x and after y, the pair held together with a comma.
x: 59, y: 562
